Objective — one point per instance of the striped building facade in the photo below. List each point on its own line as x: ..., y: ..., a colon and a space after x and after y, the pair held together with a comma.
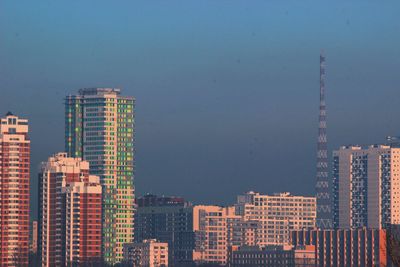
x: 345, y: 247
x: 100, y: 129
x: 14, y: 191
x: 366, y: 186
x: 69, y: 212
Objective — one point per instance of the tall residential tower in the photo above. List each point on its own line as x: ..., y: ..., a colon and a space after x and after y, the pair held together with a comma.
x: 100, y: 129
x: 14, y: 191
x: 69, y: 213
x: 322, y: 188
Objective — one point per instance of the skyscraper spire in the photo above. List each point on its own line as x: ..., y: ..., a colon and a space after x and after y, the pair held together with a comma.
x: 324, y: 216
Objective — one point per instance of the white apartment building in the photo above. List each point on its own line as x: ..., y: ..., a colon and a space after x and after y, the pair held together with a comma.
x: 366, y: 186
x: 277, y: 215
x: 212, y: 229
x: 212, y: 226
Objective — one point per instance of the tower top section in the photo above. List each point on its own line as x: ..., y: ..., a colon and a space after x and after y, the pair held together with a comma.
x: 99, y: 91
x: 12, y: 124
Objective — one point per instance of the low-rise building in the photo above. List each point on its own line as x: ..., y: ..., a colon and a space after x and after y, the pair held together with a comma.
x: 345, y: 247
x: 148, y: 253
x: 212, y: 225
x: 304, y: 256
x: 168, y: 220
x: 271, y: 256
x: 202, y: 233
x: 255, y: 256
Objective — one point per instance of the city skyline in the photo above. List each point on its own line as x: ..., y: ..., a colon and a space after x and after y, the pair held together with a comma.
x: 128, y: 128
x: 254, y: 97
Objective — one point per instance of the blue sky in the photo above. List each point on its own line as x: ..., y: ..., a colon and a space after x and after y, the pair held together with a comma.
x: 227, y: 91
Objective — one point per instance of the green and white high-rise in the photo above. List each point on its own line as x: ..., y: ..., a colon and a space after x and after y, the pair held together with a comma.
x: 99, y: 127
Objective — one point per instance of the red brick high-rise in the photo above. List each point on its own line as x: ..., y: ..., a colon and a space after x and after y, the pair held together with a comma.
x: 14, y: 191
x: 69, y: 213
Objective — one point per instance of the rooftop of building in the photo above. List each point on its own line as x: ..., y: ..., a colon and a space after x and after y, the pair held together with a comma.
x: 264, y: 248
x: 99, y: 90
x: 364, y: 147
x: 12, y: 124
x: 62, y: 160
x: 10, y: 114
x: 146, y: 242
x: 275, y: 194
x: 150, y: 200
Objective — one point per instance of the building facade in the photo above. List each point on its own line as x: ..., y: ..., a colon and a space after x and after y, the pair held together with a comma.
x: 260, y: 257
x: 195, y: 234
x: 304, y: 256
x: 157, y: 201
x: 14, y: 191
x: 345, y: 247
x: 148, y: 253
x: 69, y: 212
x: 271, y: 256
x: 168, y: 220
x: 203, y: 233
x: 83, y: 221
x: 100, y: 129
x: 277, y: 215
x: 366, y: 187
x: 34, y: 237
x: 243, y: 232
x: 212, y: 226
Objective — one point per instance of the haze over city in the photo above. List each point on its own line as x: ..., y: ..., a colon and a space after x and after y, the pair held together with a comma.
x: 226, y: 92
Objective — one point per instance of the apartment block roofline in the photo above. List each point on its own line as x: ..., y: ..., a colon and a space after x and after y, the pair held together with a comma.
x: 96, y: 90
x: 275, y: 194
x: 359, y: 147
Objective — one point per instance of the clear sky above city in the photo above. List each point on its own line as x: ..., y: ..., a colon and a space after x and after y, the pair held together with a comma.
x: 227, y: 91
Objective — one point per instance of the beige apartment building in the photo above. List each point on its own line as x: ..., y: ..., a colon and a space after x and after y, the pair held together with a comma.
x: 14, y: 190
x: 34, y: 237
x: 277, y: 215
x: 211, y: 226
x: 149, y: 253
x: 204, y: 233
